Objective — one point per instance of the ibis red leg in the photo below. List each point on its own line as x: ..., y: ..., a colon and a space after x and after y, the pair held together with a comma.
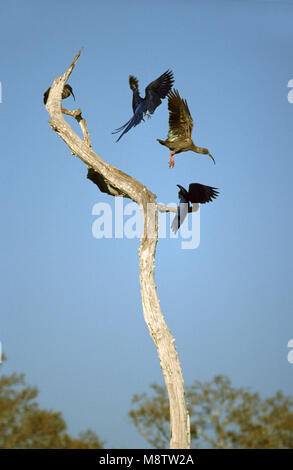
x: 171, y: 162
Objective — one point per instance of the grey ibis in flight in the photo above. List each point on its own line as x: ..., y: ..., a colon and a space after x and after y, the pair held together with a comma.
x: 180, y: 129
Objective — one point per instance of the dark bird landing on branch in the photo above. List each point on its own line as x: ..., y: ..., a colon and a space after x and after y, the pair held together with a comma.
x: 197, y: 194
x: 180, y: 128
x: 154, y: 93
x: 67, y: 91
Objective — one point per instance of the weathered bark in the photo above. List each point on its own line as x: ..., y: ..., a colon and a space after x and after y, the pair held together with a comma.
x: 114, y: 182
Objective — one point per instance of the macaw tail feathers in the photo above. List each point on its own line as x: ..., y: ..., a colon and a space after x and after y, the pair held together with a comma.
x: 134, y: 121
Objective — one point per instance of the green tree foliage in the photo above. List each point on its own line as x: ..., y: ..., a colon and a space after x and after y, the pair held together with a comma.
x: 221, y: 416
x: 23, y: 425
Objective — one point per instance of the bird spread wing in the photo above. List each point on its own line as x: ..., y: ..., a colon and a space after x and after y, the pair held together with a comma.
x: 158, y: 90
x: 136, y: 99
x: 201, y: 193
x: 133, y: 83
x: 182, y: 211
x: 180, y: 120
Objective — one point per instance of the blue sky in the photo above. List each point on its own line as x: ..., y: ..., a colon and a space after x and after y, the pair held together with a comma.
x: 71, y: 314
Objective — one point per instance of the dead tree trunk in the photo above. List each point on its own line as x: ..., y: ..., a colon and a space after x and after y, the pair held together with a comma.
x: 116, y: 183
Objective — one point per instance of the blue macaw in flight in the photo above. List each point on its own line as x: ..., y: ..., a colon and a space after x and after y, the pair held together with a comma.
x: 154, y: 93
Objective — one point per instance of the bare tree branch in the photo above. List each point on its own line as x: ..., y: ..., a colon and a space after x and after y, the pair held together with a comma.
x: 163, y: 208
x: 116, y: 183
x: 82, y: 122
